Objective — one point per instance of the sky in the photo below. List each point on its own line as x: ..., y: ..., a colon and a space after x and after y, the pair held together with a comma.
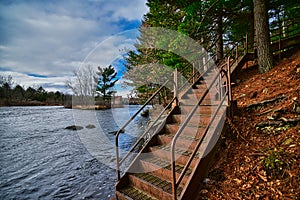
x: 42, y: 42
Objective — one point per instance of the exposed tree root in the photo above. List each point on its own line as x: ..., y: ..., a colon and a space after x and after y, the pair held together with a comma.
x: 263, y: 103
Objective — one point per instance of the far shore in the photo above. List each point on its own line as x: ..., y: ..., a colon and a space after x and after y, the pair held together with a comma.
x: 81, y: 107
x: 29, y: 103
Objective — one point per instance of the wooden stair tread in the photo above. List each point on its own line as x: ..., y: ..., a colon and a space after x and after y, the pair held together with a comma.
x: 181, y: 155
x: 187, y: 102
x: 188, y: 125
x: 179, y: 151
x: 202, y: 109
x: 161, y: 184
x: 197, y: 119
x: 181, y: 137
x: 166, y: 165
x: 135, y: 194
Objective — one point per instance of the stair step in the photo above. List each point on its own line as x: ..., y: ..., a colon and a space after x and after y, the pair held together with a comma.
x: 192, y: 99
x: 181, y: 155
x: 162, y: 168
x: 202, y: 109
x: 193, y: 131
x: 210, y: 74
x: 196, y: 120
x: 153, y: 185
x: 198, y: 92
x: 183, y: 141
x: 132, y: 193
x: 201, y: 86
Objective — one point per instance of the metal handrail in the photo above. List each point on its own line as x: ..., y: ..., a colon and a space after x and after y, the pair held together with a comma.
x: 287, y: 23
x: 118, y: 161
x: 197, y: 72
x: 147, y: 131
x: 175, y: 183
x: 234, y: 47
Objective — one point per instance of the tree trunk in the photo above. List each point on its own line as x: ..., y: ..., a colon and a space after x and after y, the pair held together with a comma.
x: 251, y: 34
x: 220, y: 38
x: 265, y: 60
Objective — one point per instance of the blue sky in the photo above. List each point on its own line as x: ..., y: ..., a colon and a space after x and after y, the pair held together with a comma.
x: 42, y: 42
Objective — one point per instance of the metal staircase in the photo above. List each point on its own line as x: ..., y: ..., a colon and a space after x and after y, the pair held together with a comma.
x: 176, y: 148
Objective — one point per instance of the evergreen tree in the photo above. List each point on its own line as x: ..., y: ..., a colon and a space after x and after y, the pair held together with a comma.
x: 265, y: 60
x: 107, y: 80
x: 41, y: 94
x: 19, y: 93
x: 214, y: 24
x: 30, y: 93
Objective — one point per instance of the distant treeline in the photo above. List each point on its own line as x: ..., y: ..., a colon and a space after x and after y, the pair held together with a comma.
x: 17, y: 95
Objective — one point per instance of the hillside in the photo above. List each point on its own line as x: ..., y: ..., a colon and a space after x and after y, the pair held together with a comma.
x: 260, y: 155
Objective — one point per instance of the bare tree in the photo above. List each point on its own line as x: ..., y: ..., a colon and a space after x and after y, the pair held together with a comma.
x: 6, y: 80
x: 83, y: 85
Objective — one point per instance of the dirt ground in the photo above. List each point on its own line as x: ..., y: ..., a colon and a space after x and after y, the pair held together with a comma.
x: 259, y: 157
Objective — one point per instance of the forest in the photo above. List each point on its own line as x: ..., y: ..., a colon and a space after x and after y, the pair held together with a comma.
x: 12, y: 94
x: 216, y: 25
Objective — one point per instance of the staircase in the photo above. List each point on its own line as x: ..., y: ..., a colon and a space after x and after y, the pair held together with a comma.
x: 172, y: 162
x: 175, y: 159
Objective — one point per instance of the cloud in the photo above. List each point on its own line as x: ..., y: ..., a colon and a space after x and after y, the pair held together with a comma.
x: 48, y: 83
x: 52, y: 38
x: 111, y: 50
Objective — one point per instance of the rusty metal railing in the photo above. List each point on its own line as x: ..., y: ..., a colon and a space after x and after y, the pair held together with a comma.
x: 120, y: 161
x: 226, y: 73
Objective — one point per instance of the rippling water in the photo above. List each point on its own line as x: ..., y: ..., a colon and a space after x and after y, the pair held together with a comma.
x: 40, y: 159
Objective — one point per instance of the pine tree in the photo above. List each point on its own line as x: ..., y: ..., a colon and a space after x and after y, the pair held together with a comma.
x: 265, y: 60
x: 107, y: 80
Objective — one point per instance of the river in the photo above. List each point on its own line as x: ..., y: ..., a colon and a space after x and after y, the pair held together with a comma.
x: 40, y: 159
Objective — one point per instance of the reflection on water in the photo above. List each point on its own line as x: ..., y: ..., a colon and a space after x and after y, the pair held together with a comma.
x: 39, y: 158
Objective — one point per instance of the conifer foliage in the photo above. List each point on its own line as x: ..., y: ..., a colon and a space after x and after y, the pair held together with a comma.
x: 217, y: 25
x: 107, y: 79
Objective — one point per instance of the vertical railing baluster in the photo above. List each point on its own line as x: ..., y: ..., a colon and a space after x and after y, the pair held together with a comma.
x: 176, y: 86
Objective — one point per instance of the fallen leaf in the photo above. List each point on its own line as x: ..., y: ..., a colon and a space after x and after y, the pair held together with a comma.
x: 263, y: 177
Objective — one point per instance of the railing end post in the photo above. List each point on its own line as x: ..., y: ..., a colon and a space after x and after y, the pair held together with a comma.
x: 176, y: 86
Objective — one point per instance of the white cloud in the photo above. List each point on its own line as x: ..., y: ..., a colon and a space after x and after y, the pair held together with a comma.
x: 51, y: 38
x: 109, y: 50
x: 49, y: 83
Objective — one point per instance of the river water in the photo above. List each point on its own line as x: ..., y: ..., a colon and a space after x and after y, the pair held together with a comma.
x: 40, y: 159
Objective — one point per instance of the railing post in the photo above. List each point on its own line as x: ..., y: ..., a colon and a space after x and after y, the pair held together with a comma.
x: 176, y: 86
x: 229, y: 88
x: 236, y: 52
x: 193, y: 73
x: 117, y: 160
x: 279, y: 45
x: 246, y: 49
x: 246, y: 44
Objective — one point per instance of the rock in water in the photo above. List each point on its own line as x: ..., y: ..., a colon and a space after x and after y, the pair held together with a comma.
x: 90, y: 126
x: 74, y: 127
